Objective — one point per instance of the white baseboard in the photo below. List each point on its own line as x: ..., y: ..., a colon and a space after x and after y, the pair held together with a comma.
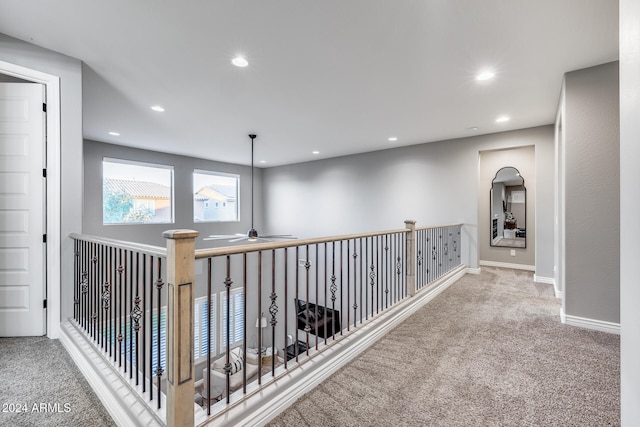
x: 508, y: 265
x: 471, y: 270
x: 275, y: 397
x: 597, y: 325
x: 122, y: 403
x: 547, y: 280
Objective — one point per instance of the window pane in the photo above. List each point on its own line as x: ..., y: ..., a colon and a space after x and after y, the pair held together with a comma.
x: 215, y: 196
x: 237, y: 317
x: 135, y: 192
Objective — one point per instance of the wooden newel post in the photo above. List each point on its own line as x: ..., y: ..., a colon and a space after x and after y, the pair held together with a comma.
x: 411, y: 257
x: 180, y: 301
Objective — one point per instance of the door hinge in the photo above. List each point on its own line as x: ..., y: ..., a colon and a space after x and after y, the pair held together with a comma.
x: 44, y: 303
x: 44, y: 107
x: 44, y: 238
x: 44, y: 173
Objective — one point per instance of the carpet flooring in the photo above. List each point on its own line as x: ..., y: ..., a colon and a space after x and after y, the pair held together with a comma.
x: 488, y: 351
x: 41, y: 386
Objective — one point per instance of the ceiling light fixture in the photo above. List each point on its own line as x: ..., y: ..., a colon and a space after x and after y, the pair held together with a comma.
x: 393, y: 139
x: 473, y: 128
x: 503, y: 119
x: 157, y: 108
x: 315, y: 152
x: 239, y: 61
x: 486, y: 75
x: 114, y: 133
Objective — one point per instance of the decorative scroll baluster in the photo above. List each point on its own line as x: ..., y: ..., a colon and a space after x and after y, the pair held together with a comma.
x: 159, y: 371
x: 355, y: 291
x: 273, y: 310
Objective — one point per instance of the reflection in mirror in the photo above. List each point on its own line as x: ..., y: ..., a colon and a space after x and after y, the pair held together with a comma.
x: 508, y: 208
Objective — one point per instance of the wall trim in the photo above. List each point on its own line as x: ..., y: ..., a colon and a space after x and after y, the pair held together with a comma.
x: 107, y: 384
x: 596, y: 325
x: 274, y: 398
x: 53, y: 190
x: 471, y: 270
x: 508, y: 265
x: 547, y: 280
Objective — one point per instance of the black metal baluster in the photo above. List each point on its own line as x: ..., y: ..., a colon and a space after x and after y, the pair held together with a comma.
x: 387, y: 276
x: 260, y: 346
x: 348, y: 278
x: 317, y: 285
x: 377, y: 238
x: 372, y: 275
x: 297, y: 304
x: 307, y: 327
x: 326, y: 260
x: 145, y: 323
x: 355, y: 286
x: 363, y: 257
x: 158, y: 327
x: 333, y: 287
x: 207, y: 380
x: 244, y: 322
x: 227, y: 366
x: 159, y: 371
x: 286, y: 312
x: 273, y: 310
x: 341, y: 296
x: 366, y: 287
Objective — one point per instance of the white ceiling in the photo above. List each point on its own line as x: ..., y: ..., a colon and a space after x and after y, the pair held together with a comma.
x: 336, y: 76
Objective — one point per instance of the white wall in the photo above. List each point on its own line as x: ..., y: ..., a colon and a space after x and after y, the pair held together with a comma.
x: 592, y: 193
x: 70, y: 72
x: 629, y: 208
x: 435, y: 183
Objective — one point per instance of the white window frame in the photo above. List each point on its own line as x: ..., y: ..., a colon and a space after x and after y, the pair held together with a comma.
x: 144, y: 165
x: 217, y: 204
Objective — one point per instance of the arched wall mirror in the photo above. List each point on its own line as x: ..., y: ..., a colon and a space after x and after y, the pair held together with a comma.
x: 508, y: 207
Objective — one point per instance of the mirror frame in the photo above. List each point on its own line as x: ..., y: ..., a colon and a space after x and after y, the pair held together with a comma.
x: 494, y: 219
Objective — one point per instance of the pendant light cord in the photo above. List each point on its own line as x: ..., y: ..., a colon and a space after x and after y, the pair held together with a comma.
x: 252, y: 138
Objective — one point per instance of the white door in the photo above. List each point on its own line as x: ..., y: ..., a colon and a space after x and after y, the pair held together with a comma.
x: 22, y: 210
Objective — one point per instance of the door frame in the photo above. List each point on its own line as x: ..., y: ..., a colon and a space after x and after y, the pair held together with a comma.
x: 53, y: 208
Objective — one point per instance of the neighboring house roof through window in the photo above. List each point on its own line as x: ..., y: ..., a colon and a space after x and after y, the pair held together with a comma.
x: 139, y: 189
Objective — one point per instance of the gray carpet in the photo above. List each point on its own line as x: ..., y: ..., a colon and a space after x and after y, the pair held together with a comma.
x: 40, y: 380
x: 488, y: 351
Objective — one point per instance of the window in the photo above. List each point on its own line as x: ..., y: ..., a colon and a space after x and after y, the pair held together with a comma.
x: 136, y: 193
x: 201, y: 327
x: 215, y: 196
x: 163, y: 340
x: 236, y: 316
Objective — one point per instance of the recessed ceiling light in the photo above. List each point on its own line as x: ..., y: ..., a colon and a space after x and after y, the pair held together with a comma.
x: 315, y: 152
x: 473, y: 128
x: 485, y: 75
x: 157, y: 108
x: 263, y: 161
x: 503, y: 119
x: 239, y: 61
x: 393, y: 138
x: 114, y: 133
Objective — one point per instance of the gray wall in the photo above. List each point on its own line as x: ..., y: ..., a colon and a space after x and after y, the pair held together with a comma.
x: 70, y: 72
x: 435, y: 183
x: 523, y: 159
x: 183, y: 166
x: 592, y: 193
x: 629, y: 208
